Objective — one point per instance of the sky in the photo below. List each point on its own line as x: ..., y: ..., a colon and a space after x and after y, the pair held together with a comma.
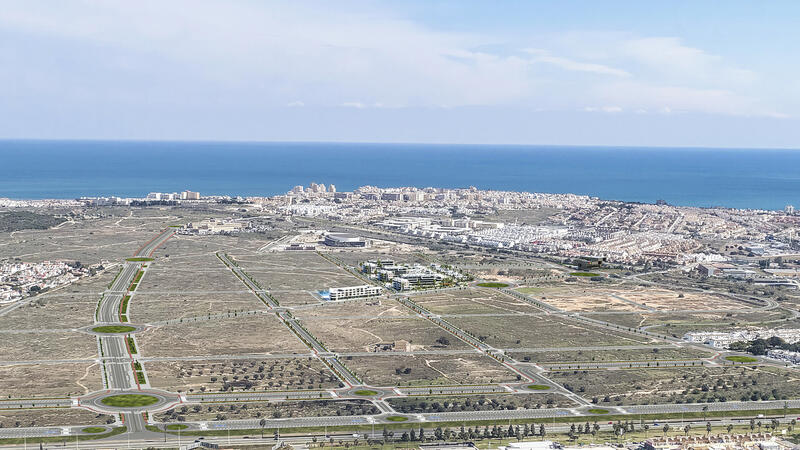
x: 632, y: 73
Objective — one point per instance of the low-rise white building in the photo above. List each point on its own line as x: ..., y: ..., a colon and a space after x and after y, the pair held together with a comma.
x: 364, y: 291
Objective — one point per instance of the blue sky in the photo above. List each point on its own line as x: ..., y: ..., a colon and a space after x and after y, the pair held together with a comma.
x: 677, y: 73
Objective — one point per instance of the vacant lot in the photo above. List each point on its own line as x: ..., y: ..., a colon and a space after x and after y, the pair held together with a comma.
x: 237, y: 375
x: 423, y: 370
x: 234, y: 336
x: 360, y: 335
x: 542, y: 331
x: 276, y: 410
x: 361, y: 308
x: 473, y: 301
x: 217, y: 280
x: 298, y: 271
x: 678, y: 324
x: 681, y: 385
x: 51, y: 417
x: 49, y: 380
x: 653, y: 354
x: 147, y: 308
x: 46, y: 345
x: 482, y: 402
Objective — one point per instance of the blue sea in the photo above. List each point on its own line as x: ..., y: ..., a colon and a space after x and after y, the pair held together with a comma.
x: 738, y: 178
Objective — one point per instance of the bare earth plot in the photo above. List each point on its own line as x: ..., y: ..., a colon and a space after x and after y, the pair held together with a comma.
x: 542, y: 331
x: 69, y: 307
x: 678, y: 324
x: 303, y: 271
x: 634, y: 354
x: 388, y: 308
x: 423, y: 370
x: 472, y: 301
x: 681, y: 385
x: 359, y: 335
x: 51, y: 417
x: 49, y: 380
x: 147, y: 307
x: 234, y: 336
x: 484, y: 402
x: 238, y: 375
x: 43, y: 345
x: 291, y: 298
x: 185, y: 281
x: 304, y: 408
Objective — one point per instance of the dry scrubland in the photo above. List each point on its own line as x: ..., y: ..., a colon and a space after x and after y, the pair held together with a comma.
x: 388, y: 308
x: 473, y: 301
x: 234, y: 336
x: 51, y: 417
x: 283, y: 409
x: 633, y: 354
x: 486, y: 402
x: 295, y: 271
x: 237, y: 375
x: 49, y: 380
x: 681, y: 385
x: 359, y: 335
x: 35, y: 346
x: 423, y: 370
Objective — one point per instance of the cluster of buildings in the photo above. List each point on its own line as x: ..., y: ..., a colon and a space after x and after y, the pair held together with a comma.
x: 723, y: 339
x: 404, y: 277
x: 19, y: 279
x: 215, y: 226
x: 784, y: 355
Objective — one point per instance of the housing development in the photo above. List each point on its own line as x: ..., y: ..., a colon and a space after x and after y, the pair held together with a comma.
x: 403, y: 317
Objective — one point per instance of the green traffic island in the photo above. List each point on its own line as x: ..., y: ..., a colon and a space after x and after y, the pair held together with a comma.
x: 114, y: 329
x: 598, y: 411
x: 93, y: 430
x: 129, y: 400
x: 139, y: 259
x: 397, y: 418
x: 365, y: 392
x: 493, y: 284
x: 584, y: 274
x: 538, y: 387
x: 177, y: 426
x: 741, y: 359
x: 60, y: 439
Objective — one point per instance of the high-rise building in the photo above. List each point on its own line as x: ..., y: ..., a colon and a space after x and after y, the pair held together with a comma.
x: 332, y: 188
x: 789, y: 209
x: 189, y: 195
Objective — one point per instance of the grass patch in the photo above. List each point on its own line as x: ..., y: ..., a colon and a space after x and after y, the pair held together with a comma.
x: 741, y: 359
x: 124, y: 308
x: 397, y: 418
x: 493, y: 285
x: 139, y: 259
x: 538, y: 387
x: 365, y: 392
x: 140, y: 378
x: 93, y: 430
x: 598, y: 411
x: 129, y: 400
x: 584, y: 274
x: 113, y: 329
x: 177, y: 426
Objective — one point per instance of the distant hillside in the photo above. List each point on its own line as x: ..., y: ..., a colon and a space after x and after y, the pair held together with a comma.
x: 25, y: 220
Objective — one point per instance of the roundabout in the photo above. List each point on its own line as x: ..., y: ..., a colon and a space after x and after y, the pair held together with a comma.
x: 366, y: 392
x: 130, y: 401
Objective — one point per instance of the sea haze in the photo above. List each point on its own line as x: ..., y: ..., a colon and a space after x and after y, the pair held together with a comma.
x: 738, y: 178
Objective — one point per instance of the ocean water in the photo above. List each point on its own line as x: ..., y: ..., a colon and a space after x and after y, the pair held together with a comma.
x: 738, y: 178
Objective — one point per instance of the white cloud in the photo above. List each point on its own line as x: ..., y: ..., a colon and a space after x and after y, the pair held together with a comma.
x: 604, y: 109
x: 543, y: 56
x: 296, y: 104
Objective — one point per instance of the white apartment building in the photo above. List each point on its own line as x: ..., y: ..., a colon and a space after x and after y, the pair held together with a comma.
x: 364, y: 291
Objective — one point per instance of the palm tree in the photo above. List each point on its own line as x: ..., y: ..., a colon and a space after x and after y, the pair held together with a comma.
x: 708, y: 428
x: 730, y: 428
x: 686, y: 429
x: 262, y: 423
x: 705, y: 410
x: 666, y: 429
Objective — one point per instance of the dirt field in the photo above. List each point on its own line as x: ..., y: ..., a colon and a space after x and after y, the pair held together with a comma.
x: 306, y: 408
x: 237, y: 375
x: 586, y: 297
x: 235, y: 336
x: 359, y: 335
x: 535, y: 331
x: 340, y: 310
x: 49, y: 380
x: 295, y: 271
x: 472, y: 301
x: 426, y: 370
x: 654, y: 354
x: 51, y: 417
x: 147, y: 308
x: 681, y: 385
x: 44, y: 345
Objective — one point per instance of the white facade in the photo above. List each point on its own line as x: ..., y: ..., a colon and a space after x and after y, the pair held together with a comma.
x: 364, y: 291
